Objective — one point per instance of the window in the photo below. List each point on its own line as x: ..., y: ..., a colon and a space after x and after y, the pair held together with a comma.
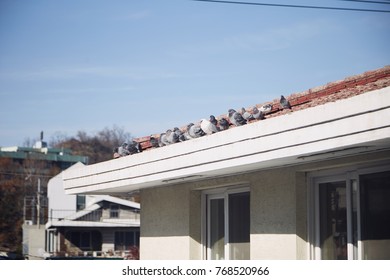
x: 80, y: 239
x: 80, y: 202
x: 227, y: 222
x: 375, y: 215
x: 351, y: 216
x: 114, y: 211
x: 125, y: 239
x: 333, y: 217
x: 85, y: 240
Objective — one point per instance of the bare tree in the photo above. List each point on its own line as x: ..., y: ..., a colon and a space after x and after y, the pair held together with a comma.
x: 98, y: 147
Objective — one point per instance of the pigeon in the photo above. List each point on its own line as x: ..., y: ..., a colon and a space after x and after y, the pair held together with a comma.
x: 179, y: 134
x: 284, y: 103
x: 266, y: 108
x: 236, y: 118
x: 171, y: 136
x: 116, y: 154
x: 213, y: 120
x: 122, y: 150
x: 223, y: 124
x: 134, y: 147
x: 246, y: 115
x: 153, y: 141
x: 162, y: 140
x: 187, y: 132
x: 195, y: 131
x: 208, y: 127
x: 257, y: 114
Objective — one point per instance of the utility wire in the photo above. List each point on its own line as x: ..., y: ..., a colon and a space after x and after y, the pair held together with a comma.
x: 386, y: 2
x: 292, y: 6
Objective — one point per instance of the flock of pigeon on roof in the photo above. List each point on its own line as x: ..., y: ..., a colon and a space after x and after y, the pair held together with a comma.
x: 204, y: 127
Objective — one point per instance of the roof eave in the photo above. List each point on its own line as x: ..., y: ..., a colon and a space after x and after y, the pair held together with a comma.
x: 350, y: 126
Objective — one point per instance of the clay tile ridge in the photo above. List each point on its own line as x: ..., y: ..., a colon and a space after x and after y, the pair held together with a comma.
x: 333, y: 91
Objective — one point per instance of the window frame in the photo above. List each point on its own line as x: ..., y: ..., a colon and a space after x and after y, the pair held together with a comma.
x: 114, y: 211
x: 218, y: 193
x: 351, y: 177
x: 122, y: 235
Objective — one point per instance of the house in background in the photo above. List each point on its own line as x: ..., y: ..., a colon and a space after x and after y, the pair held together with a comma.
x: 311, y: 182
x: 90, y: 225
x: 23, y: 184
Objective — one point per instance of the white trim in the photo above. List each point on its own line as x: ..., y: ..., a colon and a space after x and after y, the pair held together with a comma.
x: 349, y: 206
x: 352, y: 126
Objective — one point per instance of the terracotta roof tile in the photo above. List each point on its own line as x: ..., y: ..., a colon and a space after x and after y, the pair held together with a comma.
x: 331, y: 92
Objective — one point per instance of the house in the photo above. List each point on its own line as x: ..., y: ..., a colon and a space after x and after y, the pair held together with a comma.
x: 23, y: 184
x: 92, y: 226
x: 310, y: 182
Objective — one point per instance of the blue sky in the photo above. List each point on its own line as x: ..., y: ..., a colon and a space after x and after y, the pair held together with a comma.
x: 147, y: 66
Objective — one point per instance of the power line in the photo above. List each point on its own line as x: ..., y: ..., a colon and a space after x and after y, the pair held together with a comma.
x: 386, y: 2
x: 26, y: 175
x: 293, y: 6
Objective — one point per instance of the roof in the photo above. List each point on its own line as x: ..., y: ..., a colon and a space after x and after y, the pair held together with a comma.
x: 50, y: 154
x: 333, y: 91
x: 72, y: 220
x: 343, y: 118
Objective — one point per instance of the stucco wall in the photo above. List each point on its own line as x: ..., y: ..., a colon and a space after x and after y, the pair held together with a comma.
x: 165, y: 223
x: 273, y: 216
x: 171, y: 215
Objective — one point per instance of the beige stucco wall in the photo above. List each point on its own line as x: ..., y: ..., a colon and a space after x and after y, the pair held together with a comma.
x: 171, y: 215
x: 165, y: 223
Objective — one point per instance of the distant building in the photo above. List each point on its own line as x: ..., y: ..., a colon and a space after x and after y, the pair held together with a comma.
x: 90, y: 225
x: 312, y: 182
x: 28, y: 170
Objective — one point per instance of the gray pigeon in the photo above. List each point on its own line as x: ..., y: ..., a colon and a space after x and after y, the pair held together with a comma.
x: 153, y: 141
x: 246, y: 115
x: 284, y: 103
x: 257, y: 114
x: 195, y: 131
x: 236, y: 118
x: 123, y: 151
x: 213, y: 120
x: 171, y: 137
x: 179, y: 134
x: 223, y: 124
x: 162, y: 140
x: 134, y: 147
x: 208, y: 127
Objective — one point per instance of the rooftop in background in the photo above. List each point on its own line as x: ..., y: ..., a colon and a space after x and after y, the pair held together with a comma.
x: 40, y: 151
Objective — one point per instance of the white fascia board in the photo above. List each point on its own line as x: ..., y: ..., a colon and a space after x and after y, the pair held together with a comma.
x: 356, y: 121
x: 89, y: 224
x: 117, y: 200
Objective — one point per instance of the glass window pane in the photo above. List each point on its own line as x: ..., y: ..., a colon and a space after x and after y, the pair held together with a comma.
x: 80, y: 202
x: 114, y: 211
x: 239, y: 226
x: 85, y: 241
x: 217, y: 229
x: 375, y: 215
x: 333, y: 221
